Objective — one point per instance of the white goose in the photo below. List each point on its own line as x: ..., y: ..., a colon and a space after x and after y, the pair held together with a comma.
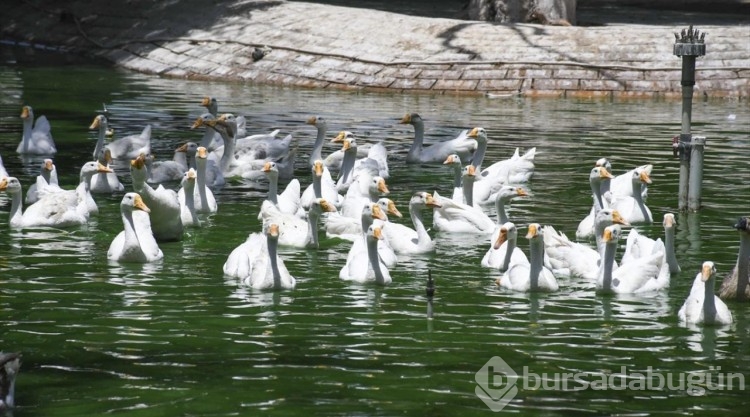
x: 257, y: 263
x: 350, y: 228
x: 730, y: 283
x: 631, y: 207
x: 322, y: 186
x: 187, y: 208
x: 364, y: 265
x: 436, y: 153
x: 135, y: 243
x: 598, y: 177
x: 295, y: 231
x: 405, y: 240
x: 456, y: 217
x: 106, y: 183
x: 173, y: 169
x: 565, y: 257
x: 701, y: 305
x: 532, y: 276
x: 639, y: 245
x: 503, y: 250
x: 127, y: 147
x: 55, y: 212
x: 635, y: 276
x: 375, y: 161
x: 81, y: 195
x: 372, y: 213
x: 164, y: 204
x: 622, y: 184
x: 36, y: 140
x: 363, y: 189
x: 289, y: 199
x: 47, y: 178
x: 516, y: 169
x: 204, y: 199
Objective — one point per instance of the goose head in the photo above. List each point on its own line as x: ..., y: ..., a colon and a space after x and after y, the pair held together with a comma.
x: 707, y: 271
x: 210, y: 104
x: 373, y: 211
x: 189, y: 177
x: 453, y: 160
x: 270, y: 169
x: 190, y: 148
x: 100, y: 122
x: 508, y: 192
x: 612, y: 234
x: 201, y: 153
x: 424, y: 199
x: 203, y: 120
x: 469, y: 173
x: 640, y: 175
x: 508, y: 231
x: 610, y: 216
x: 478, y: 133
x: 343, y: 136
x: 604, y: 163
x: 47, y: 167
x: 389, y: 207
x: 133, y: 201
x: 669, y: 221
x: 27, y: 113
x: 534, y: 232
x: 743, y: 224
x: 321, y: 205
x: 377, y: 186
x: 317, y: 121
x: 374, y: 233
x: 225, y: 124
x: 93, y: 167
x: 318, y: 168
x: 272, y: 231
x: 599, y: 174
x: 10, y: 185
x: 411, y: 119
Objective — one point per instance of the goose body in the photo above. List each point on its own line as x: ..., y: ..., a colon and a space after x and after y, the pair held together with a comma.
x: 503, y: 251
x: 463, y: 146
x: 47, y: 178
x: 164, y: 205
x: 57, y: 210
x: 632, y: 207
x: 322, y: 186
x: 740, y: 274
x: 36, y: 139
x: 405, y: 240
x: 516, y: 169
x: 257, y: 263
x: 597, y: 178
x: 532, y: 275
x: 364, y: 265
x: 702, y: 306
x: 203, y: 197
x: 637, y: 275
x: 188, y: 215
x: 566, y: 257
x: 453, y: 217
x: 295, y: 231
x: 129, y: 147
x: 136, y: 242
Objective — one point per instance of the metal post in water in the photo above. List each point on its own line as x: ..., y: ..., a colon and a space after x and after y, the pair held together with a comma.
x: 696, y: 172
x: 430, y: 290
x: 689, y: 44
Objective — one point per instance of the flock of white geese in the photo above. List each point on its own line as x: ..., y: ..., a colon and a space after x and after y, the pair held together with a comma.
x: 353, y: 206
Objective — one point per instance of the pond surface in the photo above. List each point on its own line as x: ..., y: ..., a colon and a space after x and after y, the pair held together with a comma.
x: 180, y: 338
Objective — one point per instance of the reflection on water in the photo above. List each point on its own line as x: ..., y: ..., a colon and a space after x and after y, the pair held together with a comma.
x: 177, y: 337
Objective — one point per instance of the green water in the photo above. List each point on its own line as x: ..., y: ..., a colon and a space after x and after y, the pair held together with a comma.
x: 179, y: 338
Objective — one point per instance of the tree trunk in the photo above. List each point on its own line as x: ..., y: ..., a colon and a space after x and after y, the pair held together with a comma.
x: 547, y: 12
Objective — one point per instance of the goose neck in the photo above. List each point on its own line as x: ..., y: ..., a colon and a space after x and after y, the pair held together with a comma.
x: 709, y: 303
x: 317, y: 151
x: 605, y: 268
x: 743, y: 265
x: 669, y: 244
x: 100, y: 139
x: 510, y: 247
x: 536, y: 254
x: 423, y: 238
x: 273, y: 258
x: 478, y: 157
x: 416, y: 146
x: 468, y: 187
x: 317, y: 186
x: 273, y: 189
x: 16, y: 209
x: 502, y: 216
x: 312, y: 228
x: 373, y: 257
